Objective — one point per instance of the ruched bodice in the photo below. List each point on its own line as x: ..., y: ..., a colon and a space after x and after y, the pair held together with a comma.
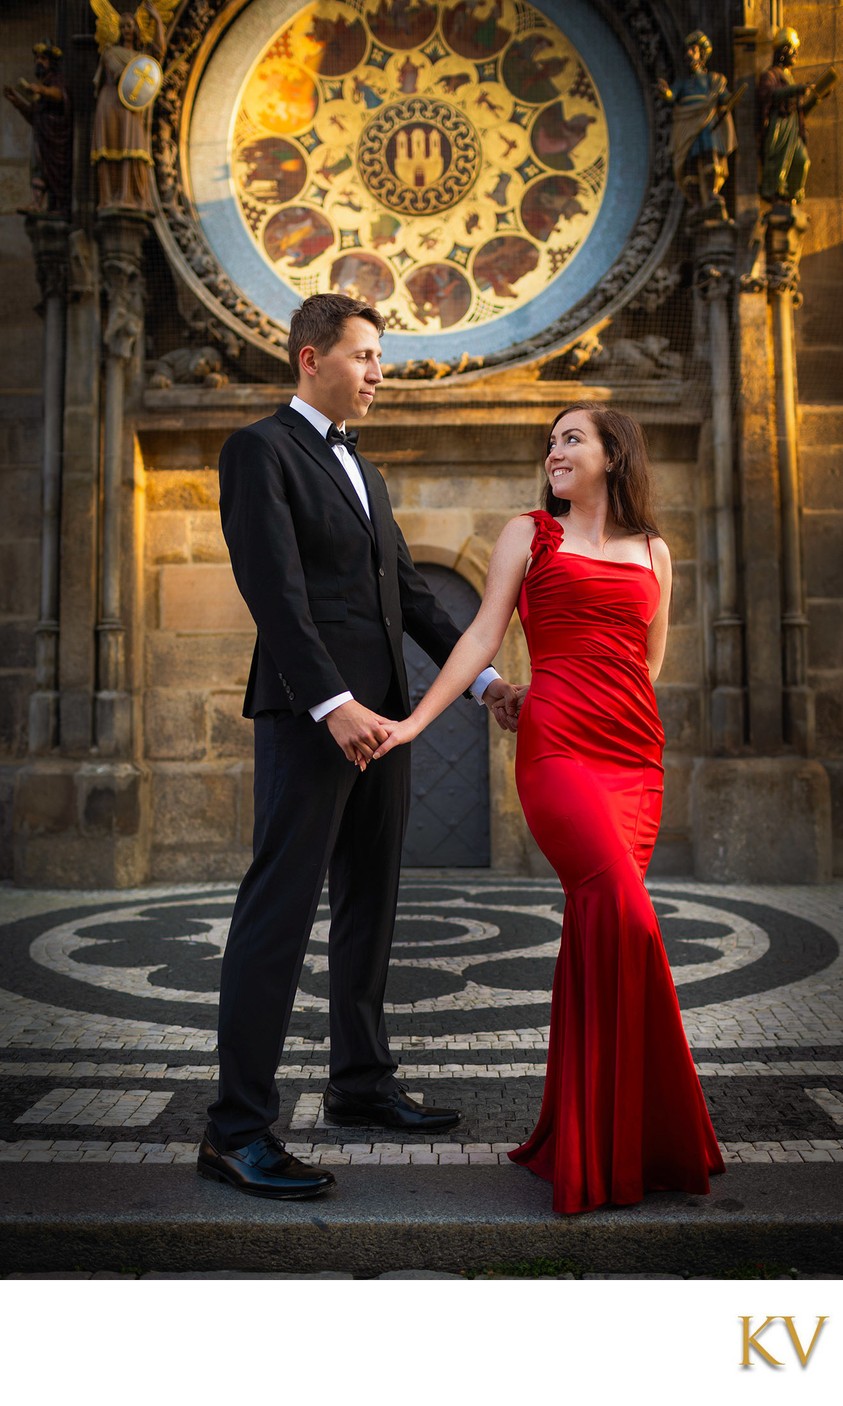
x: 572, y: 606
x: 623, y: 1111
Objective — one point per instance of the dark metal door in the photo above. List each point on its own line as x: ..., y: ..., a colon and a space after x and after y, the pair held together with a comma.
x: 449, y: 813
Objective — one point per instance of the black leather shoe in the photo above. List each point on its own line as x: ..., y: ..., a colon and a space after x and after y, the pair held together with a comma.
x: 396, y: 1110
x: 262, y: 1168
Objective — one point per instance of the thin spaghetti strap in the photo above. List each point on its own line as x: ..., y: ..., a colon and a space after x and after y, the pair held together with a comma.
x: 650, y: 550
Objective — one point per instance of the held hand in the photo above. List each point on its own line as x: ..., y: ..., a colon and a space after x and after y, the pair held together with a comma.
x: 357, y: 730
x: 398, y: 733
x: 503, y: 703
x: 521, y: 690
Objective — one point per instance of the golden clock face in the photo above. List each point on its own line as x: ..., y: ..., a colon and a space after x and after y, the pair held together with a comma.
x: 444, y: 161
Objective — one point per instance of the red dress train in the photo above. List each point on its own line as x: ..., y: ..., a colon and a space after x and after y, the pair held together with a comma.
x: 622, y: 1111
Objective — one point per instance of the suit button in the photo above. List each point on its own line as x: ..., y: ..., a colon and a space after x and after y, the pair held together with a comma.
x: 291, y: 693
x: 381, y: 571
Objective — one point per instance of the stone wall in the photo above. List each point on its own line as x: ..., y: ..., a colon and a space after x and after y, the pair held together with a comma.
x: 20, y: 417
x: 819, y: 334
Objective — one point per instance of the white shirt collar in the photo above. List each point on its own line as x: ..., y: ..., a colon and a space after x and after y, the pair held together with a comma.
x: 321, y: 423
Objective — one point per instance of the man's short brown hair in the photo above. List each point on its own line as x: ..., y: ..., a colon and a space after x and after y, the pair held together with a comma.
x: 319, y: 323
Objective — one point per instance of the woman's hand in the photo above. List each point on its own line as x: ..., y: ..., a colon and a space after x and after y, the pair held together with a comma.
x: 521, y: 691
x: 398, y: 733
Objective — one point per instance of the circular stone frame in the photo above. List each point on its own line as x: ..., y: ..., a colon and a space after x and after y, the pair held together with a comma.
x: 623, y: 250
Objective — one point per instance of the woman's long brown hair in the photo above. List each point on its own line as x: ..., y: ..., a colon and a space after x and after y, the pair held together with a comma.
x: 629, y: 478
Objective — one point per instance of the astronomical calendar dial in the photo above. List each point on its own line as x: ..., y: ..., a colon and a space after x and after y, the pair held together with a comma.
x: 442, y: 161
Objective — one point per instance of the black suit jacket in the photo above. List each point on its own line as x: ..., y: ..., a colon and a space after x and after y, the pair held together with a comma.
x: 330, y: 591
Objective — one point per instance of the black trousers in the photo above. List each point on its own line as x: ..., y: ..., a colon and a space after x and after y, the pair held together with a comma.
x: 315, y: 813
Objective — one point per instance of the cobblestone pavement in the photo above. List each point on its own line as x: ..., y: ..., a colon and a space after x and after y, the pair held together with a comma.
x: 108, y: 1005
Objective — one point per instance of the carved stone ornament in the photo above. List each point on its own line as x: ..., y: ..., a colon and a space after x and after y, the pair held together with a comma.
x: 450, y: 172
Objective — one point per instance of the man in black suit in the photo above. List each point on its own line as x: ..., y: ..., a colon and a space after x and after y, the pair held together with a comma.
x: 329, y: 581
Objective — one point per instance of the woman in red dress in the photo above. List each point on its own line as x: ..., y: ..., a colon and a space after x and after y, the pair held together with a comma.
x: 623, y: 1112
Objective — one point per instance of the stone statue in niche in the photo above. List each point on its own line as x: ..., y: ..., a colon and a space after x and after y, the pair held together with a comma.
x: 703, y: 135
x: 782, y: 136
x: 45, y: 104
x: 126, y: 82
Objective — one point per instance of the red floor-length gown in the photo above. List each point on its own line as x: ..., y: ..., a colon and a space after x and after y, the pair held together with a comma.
x: 623, y: 1111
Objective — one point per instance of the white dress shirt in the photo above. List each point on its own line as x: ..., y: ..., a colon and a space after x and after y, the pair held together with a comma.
x: 321, y: 423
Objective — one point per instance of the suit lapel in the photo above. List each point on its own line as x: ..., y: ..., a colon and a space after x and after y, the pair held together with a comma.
x: 374, y: 490
x: 312, y: 443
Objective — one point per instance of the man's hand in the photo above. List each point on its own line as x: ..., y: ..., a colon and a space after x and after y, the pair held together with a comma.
x: 504, y: 703
x: 357, y: 730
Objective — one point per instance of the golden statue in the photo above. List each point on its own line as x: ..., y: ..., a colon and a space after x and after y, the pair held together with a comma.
x: 126, y: 82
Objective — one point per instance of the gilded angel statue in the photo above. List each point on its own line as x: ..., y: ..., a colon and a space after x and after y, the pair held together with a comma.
x: 126, y: 82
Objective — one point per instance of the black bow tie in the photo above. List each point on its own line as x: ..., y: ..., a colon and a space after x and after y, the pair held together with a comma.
x: 347, y: 437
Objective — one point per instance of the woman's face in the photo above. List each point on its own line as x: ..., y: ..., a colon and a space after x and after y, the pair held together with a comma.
x: 128, y: 29
x: 576, y: 461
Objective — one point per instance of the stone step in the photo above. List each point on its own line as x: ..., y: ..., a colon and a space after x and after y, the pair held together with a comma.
x: 140, y: 1219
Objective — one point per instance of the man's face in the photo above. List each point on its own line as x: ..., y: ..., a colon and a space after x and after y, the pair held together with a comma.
x: 342, y: 382
x: 693, y: 58
x: 785, y: 55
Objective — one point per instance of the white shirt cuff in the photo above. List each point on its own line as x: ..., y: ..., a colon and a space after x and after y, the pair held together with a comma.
x: 321, y: 710
x: 481, y: 683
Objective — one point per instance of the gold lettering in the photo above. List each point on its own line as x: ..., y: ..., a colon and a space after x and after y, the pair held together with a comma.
x: 750, y: 1340
x: 794, y: 1338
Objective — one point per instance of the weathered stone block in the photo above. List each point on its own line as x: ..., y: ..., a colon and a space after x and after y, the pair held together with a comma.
x: 17, y: 644
x: 680, y: 709
x: 166, y: 537
x: 829, y: 714
x: 680, y: 533
x: 761, y: 820
x: 821, y: 372
x: 14, y: 707
x: 178, y: 489
x: 229, y: 733
x: 822, y: 476
x: 834, y: 768
x: 205, y: 863
x: 7, y: 793
x: 110, y: 799
x: 819, y: 425
x: 449, y: 528
x: 676, y: 807
x: 174, y: 724
x: 197, y: 661
x: 825, y: 635
x: 21, y: 489
x: 673, y: 442
x: 684, y: 602
x: 78, y: 826
x: 191, y: 451
x: 194, y: 805
x: 205, y: 535
x: 823, y: 556
x: 682, y: 662
x: 675, y: 485
x: 20, y: 574
x: 202, y: 598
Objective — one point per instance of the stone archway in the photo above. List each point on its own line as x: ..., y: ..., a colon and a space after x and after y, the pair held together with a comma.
x: 449, y: 812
